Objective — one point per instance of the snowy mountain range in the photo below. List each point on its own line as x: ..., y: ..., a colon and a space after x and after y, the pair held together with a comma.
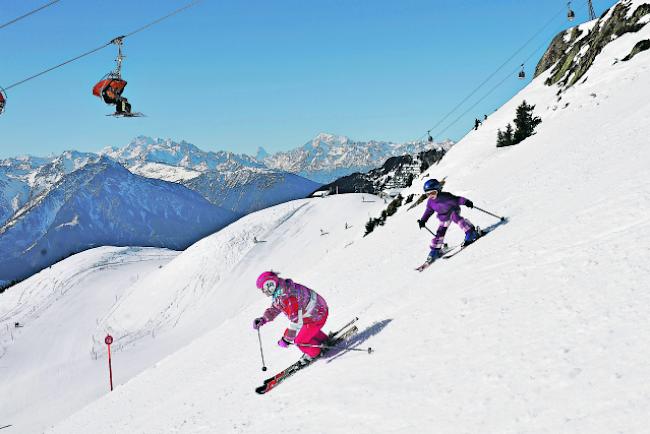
x: 176, y: 162
x: 328, y: 157
x: 102, y: 203
x: 540, y: 327
x: 237, y: 183
x: 24, y: 178
x: 323, y: 159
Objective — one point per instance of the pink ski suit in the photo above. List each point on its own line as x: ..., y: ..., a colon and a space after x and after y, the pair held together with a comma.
x: 307, y: 312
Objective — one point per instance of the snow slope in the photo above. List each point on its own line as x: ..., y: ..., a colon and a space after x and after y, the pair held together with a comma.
x: 56, y: 308
x: 539, y: 327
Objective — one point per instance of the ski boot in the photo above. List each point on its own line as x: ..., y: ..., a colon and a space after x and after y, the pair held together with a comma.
x: 433, y: 255
x: 305, y: 360
x: 471, y: 236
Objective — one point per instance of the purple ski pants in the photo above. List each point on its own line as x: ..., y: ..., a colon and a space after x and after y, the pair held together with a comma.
x: 439, y: 240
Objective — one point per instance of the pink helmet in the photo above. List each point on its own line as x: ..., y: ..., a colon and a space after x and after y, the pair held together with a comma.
x: 268, y: 282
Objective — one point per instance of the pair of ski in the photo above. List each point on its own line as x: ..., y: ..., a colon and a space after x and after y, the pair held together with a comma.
x: 333, y: 340
x: 450, y: 252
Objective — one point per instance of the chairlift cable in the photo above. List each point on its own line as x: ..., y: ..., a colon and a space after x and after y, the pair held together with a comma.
x: 58, y: 66
x: 509, y: 75
x: 498, y: 69
x: 103, y: 46
x: 28, y: 14
x: 179, y: 10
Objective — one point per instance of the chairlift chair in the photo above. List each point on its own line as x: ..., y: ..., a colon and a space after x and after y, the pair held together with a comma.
x: 111, y: 86
x: 3, y: 100
x: 522, y: 73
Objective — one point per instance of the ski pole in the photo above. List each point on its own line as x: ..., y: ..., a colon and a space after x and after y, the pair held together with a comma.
x: 259, y: 336
x: 323, y: 347
x: 355, y: 319
x: 430, y: 231
x: 488, y: 212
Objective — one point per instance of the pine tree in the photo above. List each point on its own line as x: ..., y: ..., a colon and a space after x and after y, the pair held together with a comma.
x: 525, y: 122
x: 505, y: 138
x: 508, y: 135
x: 370, y: 226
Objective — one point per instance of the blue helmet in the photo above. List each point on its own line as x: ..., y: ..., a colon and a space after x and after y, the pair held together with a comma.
x: 432, y: 184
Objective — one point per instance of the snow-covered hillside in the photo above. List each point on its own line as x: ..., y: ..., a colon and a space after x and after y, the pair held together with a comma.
x: 51, y: 344
x: 249, y: 189
x: 539, y: 327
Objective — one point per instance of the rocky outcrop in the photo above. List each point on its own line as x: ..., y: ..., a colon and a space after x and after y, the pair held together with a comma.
x: 571, y: 53
x: 395, y: 173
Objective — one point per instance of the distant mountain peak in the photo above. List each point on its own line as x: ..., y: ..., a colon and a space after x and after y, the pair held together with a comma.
x: 261, y: 153
x: 327, y: 140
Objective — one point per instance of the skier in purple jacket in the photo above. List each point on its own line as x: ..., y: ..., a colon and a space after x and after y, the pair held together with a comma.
x: 447, y: 206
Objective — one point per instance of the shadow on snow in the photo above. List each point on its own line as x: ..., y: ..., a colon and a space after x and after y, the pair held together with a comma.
x: 357, y: 340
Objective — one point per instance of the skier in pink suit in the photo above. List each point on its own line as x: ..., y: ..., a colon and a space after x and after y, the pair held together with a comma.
x: 447, y: 206
x: 306, y: 310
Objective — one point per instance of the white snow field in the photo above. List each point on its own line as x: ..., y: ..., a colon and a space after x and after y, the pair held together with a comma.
x: 46, y: 362
x: 540, y: 327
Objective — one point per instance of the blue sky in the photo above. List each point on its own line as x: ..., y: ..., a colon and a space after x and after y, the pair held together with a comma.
x: 235, y: 75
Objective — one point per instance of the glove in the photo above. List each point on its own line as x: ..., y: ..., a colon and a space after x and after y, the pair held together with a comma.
x: 421, y: 223
x: 469, y: 203
x: 284, y: 343
x: 258, y: 322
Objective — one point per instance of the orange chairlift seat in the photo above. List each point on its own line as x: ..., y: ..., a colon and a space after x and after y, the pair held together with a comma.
x: 110, y: 88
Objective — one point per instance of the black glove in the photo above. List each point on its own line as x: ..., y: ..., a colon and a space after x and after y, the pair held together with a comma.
x: 469, y: 203
x: 421, y: 223
x: 258, y: 322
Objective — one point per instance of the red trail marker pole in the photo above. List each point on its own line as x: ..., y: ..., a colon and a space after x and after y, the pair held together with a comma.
x: 109, y: 341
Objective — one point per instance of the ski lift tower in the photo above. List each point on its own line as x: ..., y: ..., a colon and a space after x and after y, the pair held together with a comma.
x: 592, y: 14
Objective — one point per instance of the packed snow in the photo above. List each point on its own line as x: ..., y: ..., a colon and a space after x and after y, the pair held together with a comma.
x: 541, y: 326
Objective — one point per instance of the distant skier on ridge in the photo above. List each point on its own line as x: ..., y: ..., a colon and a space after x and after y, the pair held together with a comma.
x: 306, y: 310
x: 447, y: 206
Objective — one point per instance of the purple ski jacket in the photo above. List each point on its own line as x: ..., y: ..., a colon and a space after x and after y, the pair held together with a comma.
x: 445, y: 204
x: 299, y: 303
